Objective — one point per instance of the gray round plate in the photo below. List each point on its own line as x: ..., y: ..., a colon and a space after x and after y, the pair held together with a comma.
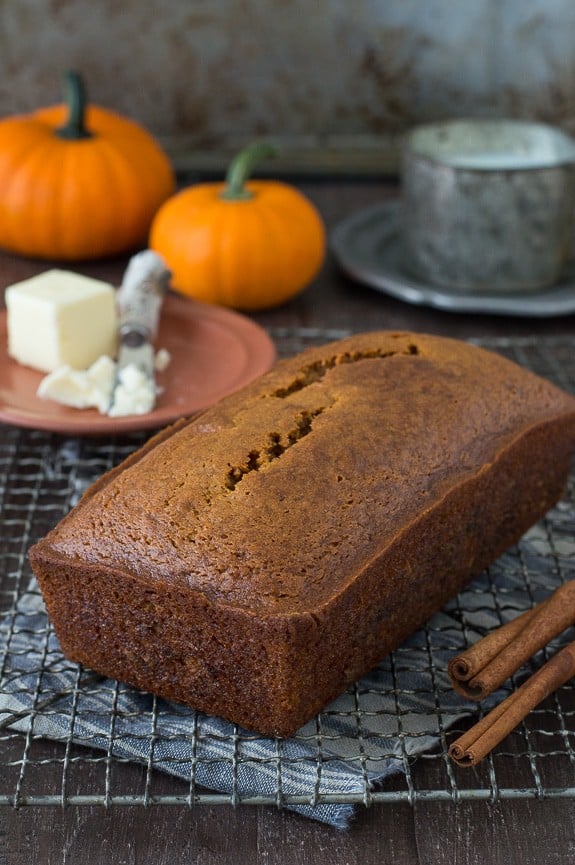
x: 367, y: 246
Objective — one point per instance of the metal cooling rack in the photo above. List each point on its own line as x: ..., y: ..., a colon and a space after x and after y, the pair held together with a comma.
x: 43, y: 474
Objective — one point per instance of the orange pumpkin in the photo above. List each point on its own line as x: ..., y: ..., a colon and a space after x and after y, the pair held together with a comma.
x: 78, y: 182
x: 245, y: 244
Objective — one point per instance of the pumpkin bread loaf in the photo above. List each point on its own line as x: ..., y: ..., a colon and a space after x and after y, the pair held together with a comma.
x: 255, y: 560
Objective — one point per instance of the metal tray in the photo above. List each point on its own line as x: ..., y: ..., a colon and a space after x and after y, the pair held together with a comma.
x: 367, y: 246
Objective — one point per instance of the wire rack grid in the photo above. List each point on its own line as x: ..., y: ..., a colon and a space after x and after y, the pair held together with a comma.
x: 70, y: 737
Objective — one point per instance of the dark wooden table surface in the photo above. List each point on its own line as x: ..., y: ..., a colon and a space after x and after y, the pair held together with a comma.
x: 526, y: 831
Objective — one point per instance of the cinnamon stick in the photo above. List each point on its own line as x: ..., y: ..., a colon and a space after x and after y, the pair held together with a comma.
x: 477, y: 742
x: 481, y: 669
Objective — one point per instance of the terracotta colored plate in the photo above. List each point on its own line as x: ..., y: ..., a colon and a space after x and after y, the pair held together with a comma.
x: 214, y: 351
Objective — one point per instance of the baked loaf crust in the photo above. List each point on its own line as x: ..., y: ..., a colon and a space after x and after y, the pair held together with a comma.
x: 253, y: 561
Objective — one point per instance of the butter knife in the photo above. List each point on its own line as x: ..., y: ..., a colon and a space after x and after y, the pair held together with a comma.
x: 139, y: 301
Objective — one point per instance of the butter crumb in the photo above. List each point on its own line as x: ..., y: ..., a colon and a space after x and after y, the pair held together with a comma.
x: 162, y: 360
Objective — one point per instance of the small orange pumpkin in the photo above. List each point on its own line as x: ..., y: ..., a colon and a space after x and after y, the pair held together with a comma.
x: 78, y: 181
x: 246, y: 244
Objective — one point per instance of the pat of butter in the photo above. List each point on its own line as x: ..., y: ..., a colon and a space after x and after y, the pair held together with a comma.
x: 93, y: 387
x: 90, y: 388
x: 134, y: 394
x: 60, y: 318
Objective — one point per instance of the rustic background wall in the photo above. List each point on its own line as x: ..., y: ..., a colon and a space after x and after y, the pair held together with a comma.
x: 335, y: 80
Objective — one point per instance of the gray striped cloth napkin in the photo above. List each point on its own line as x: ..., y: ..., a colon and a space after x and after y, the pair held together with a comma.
x: 402, y: 709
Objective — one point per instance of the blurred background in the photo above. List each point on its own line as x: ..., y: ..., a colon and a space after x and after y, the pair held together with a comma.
x: 334, y: 81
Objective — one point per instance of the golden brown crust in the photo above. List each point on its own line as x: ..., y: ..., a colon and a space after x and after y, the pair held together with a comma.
x: 253, y: 561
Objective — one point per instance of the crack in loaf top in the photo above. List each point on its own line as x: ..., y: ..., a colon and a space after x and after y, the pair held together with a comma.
x: 274, y: 498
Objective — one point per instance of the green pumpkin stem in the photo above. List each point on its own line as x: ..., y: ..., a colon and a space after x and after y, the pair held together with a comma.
x: 241, y: 168
x: 75, y: 100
